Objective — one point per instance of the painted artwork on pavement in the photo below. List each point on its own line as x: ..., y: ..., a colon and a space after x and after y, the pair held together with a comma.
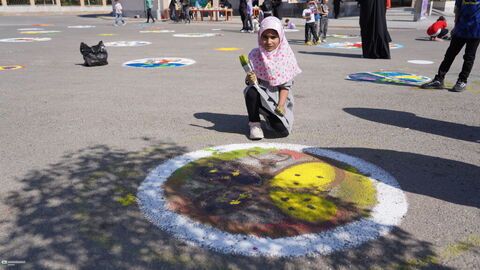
x: 163, y: 62
x: 272, y: 200
x: 24, y: 39
x: 389, y: 78
x: 342, y: 36
x: 30, y: 29
x: 228, y: 49
x: 44, y: 24
x: 197, y: 35
x: 152, y: 28
x: 127, y: 43
x: 41, y: 32
x: 81, y: 26
x: 157, y: 31
x: 13, y: 67
x: 353, y: 45
x: 107, y: 34
x: 286, y: 30
x: 420, y: 62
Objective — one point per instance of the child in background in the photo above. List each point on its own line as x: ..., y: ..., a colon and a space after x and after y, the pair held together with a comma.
x: 256, y: 24
x: 323, y: 27
x: 269, y: 85
x: 289, y: 24
x: 309, y: 17
x: 118, y: 13
x: 438, y: 29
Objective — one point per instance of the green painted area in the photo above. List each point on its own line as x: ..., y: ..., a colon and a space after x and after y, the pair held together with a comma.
x: 357, y: 189
x: 127, y: 200
x: 237, y: 154
x: 304, y: 206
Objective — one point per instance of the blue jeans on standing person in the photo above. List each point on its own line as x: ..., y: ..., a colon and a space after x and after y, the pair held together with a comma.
x: 119, y: 16
x: 173, y: 16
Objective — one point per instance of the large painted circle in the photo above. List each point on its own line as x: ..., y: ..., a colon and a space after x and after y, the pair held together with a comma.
x: 161, y: 62
x: 196, y: 35
x: 127, y: 43
x: 30, y: 29
x: 420, y: 62
x: 24, y: 39
x: 386, y: 214
x: 389, y: 77
x: 13, y: 67
x: 342, y: 36
x: 353, y: 45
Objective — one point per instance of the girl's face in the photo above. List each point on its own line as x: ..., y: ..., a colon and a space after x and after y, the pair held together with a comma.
x: 270, y: 40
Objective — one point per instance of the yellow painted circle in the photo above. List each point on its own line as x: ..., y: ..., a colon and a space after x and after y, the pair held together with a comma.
x: 108, y: 34
x: 313, y: 175
x: 228, y: 49
x: 14, y: 67
x: 304, y: 206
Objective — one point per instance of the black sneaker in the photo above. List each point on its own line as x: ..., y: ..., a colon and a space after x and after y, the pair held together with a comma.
x: 434, y: 84
x: 459, y: 87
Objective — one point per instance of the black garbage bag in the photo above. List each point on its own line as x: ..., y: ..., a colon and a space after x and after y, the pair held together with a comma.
x: 94, y: 56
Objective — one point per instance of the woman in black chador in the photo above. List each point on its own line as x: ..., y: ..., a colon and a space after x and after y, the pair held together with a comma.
x: 373, y: 25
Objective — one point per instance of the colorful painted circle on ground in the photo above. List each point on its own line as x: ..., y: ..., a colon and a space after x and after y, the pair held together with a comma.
x: 163, y: 62
x: 107, y: 34
x: 228, y: 49
x: 152, y: 28
x: 353, y: 45
x: 420, y: 62
x: 272, y: 199
x: 342, y: 36
x: 290, y: 30
x: 30, y: 29
x: 127, y: 43
x: 157, y: 31
x: 389, y: 77
x: 13, y: 67
x: 44, y: 24
x: 24, y: 39
x: 216, y: 29
x: 81, y: 26
x: 41, y: 32
x: 197, y: 35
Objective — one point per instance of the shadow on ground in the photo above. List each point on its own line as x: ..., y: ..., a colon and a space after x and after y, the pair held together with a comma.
x: 412, y: 121
x: 81, y: 213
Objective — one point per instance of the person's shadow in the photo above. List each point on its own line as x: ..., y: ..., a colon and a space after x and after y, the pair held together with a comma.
x: 230, y: 123
x: 412, y: 121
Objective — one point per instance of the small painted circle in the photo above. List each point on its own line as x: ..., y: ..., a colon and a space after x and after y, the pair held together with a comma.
x: 13, y: 67
x: 163, y: 62
x: 41, y: 32
x: 157, y: 31
x: 81, y: 26
x: 216, y: 29
x: 43, y: 24
x: 342, y: 36
x: 127, y: 43
x: 196, y: 35
x: 389, y: 77
x: 353, y: 45
x: 228, y: 49
x: 286, y: 30
x: 107, y: 34
x: 420, y: 62
x: 24, y: 39
x: 272, y: 199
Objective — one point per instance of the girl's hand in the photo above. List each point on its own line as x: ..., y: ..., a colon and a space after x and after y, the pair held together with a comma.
x: 280, y: 110
x: 251, y: 78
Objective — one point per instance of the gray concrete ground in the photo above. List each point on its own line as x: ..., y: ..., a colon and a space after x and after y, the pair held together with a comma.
x: 76, y: 142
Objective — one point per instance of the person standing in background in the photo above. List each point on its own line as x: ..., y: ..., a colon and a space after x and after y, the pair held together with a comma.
x: 118, y: 13
x: 466, y: 33
x: 148, y: 5
x: 277, y: 9
x: 323, y: 22
x: 373, y: 28
x: 336, y: 8
x: 173, y: 6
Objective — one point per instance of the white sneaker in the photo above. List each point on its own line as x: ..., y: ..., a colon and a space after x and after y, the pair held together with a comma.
x: 256, y: 132
x: 124, y: 23
x: 115, y: 24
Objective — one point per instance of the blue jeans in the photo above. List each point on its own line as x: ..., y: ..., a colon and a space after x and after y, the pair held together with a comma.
x: 173, y: 16
x: 117, y: 16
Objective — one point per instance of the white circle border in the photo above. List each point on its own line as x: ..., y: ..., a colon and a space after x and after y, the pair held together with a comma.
x: 24, y: 39
x: 195, y: 35
x: 133, y: 43
x: 81, y: 26
x: 421, y: 62
x: 390, y: 210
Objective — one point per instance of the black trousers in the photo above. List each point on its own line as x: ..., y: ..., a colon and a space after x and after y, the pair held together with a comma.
x: 149, y: 15
x: 310, y: 30
x: 336, y: 8
x: 254, y: 105
x: 456, y: 45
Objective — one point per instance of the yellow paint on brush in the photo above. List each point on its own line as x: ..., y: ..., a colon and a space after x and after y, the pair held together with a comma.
x: 304, y: 206
x: 316, y: 175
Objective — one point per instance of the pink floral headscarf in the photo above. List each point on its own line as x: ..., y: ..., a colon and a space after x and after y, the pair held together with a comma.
x: 278, y: 66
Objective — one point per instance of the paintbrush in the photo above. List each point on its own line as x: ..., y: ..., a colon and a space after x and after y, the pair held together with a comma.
x: 246, y: 66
